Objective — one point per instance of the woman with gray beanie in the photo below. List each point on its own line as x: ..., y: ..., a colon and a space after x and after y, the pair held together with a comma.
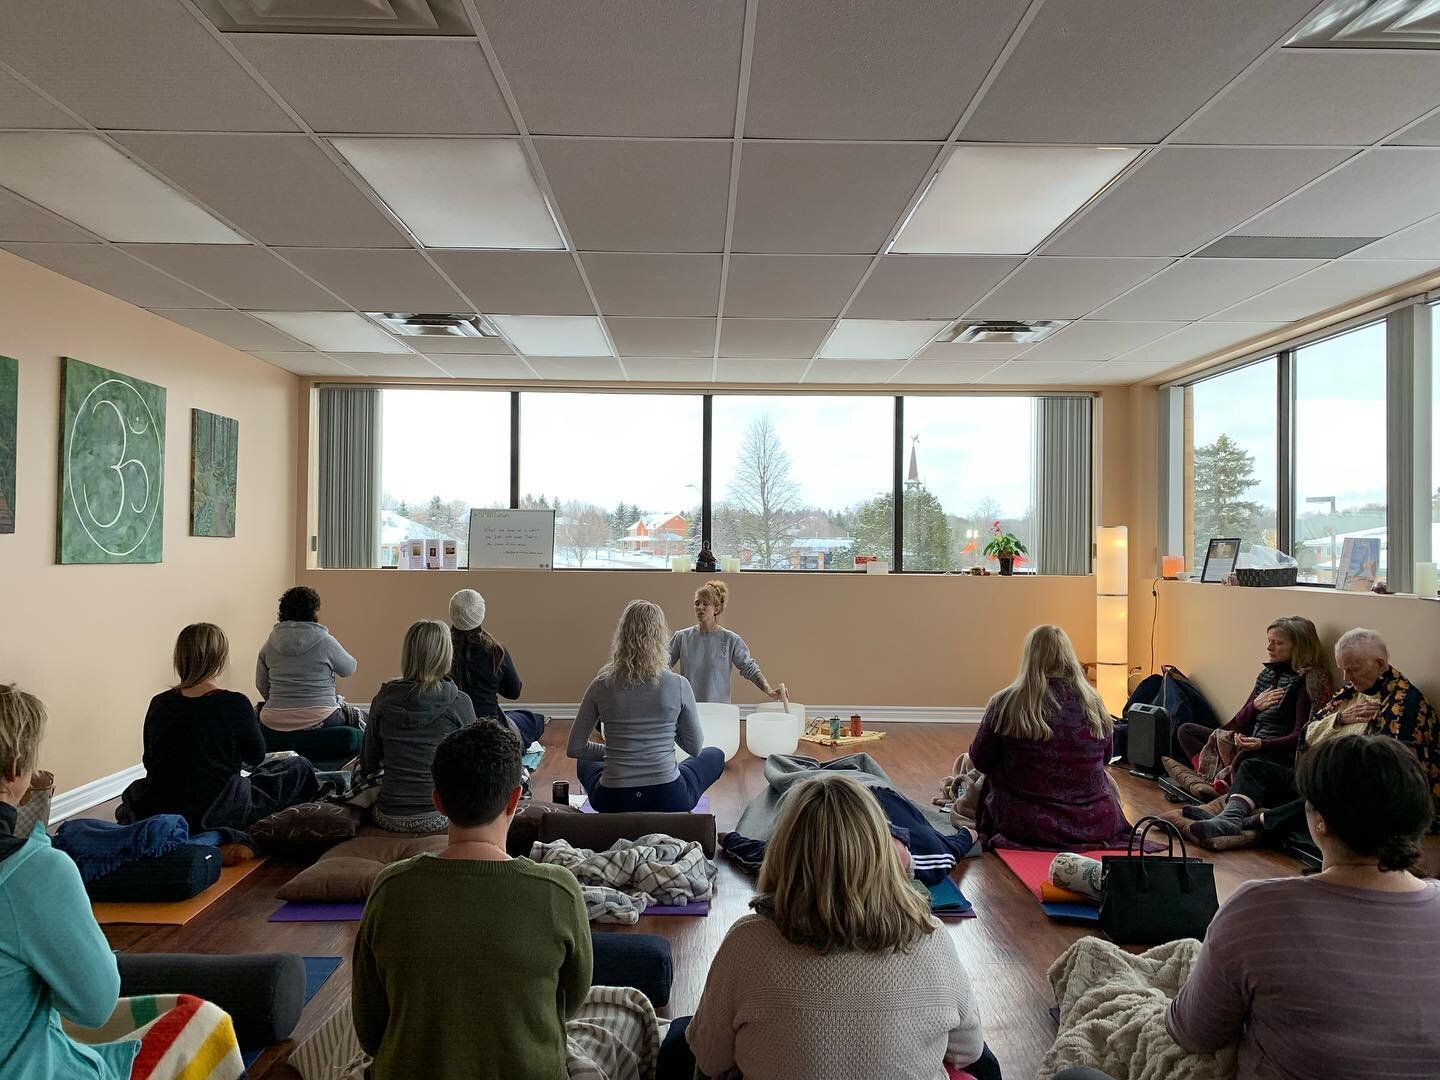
x: 482, y: 667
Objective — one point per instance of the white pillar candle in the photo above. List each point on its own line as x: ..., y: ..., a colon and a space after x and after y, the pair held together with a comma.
x: 1425, y: 582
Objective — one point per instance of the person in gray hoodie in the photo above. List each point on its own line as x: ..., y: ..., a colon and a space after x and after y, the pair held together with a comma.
x: 409, y: 718
x: 297, y: 669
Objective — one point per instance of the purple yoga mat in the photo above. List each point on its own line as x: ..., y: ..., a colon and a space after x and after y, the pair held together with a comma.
x: 954, y: 916
x: 342, y: 911
x: 699, y: 907
x: 701, y: 807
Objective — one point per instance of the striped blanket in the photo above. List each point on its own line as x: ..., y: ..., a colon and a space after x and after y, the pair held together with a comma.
x: 180, y: 1037
x: 620, y: 883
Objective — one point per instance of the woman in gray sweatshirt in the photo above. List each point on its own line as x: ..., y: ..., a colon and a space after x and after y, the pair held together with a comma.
x: 297, y: 669
x: 707, y: 651
x: 646, y: 709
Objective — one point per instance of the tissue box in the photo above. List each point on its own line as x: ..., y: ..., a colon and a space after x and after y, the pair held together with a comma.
x: 1267, y: 577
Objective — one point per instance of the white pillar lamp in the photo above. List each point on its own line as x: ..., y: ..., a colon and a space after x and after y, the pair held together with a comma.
x: 1112, y: 615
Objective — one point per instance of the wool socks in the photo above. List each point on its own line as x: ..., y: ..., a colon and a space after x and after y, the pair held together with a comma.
x: 1229, y: 822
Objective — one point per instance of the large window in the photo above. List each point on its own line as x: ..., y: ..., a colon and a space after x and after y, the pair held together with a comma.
x: 803, y: 483
x: 442, y: 453
x: 1230, y: 459
x: 969, y: 463
x: 621, y: 471
x: 1340, y: 447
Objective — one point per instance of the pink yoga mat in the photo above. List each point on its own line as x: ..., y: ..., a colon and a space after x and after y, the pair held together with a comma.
x: 701, y: 807
x: 1033, y: 867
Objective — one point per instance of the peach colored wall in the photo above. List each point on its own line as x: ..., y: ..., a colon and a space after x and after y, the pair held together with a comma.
x: 834, y: 638
x: 95, y: 641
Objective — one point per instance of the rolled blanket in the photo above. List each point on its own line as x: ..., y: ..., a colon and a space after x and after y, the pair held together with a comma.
x: 99, y: 847
x: 1078, y: 873
x: 1112, y: 1013
x: 180, y: 1037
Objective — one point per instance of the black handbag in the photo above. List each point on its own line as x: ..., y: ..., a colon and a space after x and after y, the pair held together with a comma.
x: 1152, y: 899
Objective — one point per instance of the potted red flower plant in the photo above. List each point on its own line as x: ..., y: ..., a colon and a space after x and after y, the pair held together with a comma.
x: 1006, y: 547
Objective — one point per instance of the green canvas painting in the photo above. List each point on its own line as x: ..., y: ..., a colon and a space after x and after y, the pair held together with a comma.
x: 214, y: 451
x: 112, y: 467
x: 9, y: 407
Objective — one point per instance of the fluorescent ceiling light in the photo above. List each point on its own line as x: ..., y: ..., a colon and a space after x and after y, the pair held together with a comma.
x: 458, y: 193
x: 333, y: 331
x: 879, y: 339
x: 83, y: 178
x: 554, y: 335
x: 1004, y: 200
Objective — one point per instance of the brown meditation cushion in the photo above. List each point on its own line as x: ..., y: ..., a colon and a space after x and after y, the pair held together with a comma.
x: 347, y: 871
x: 301, y: 833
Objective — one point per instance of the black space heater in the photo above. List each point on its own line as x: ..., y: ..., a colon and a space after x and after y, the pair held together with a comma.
x: 1148, y: 740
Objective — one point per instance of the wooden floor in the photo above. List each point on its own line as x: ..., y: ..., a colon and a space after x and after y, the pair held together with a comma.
x: 1006, y: 950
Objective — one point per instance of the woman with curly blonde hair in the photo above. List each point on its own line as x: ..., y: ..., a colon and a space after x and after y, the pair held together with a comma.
x: 646, y: 709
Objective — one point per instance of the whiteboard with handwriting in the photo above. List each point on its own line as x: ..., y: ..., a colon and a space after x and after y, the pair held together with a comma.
x: 512, y: 539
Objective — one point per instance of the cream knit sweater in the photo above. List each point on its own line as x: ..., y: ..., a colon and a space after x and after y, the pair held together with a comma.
x: 778, y: 1011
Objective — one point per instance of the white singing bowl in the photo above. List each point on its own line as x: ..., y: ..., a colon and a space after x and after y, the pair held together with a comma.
x: 721, y: 724
x: 796, y: 709
x: 773, y: 732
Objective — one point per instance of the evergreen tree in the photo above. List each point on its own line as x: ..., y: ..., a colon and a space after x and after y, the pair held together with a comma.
x: 403, y: 509
x: 1224, y: 472
x: 927, y: 530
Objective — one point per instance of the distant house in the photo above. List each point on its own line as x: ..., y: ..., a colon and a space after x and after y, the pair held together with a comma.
x: 658, y: 534
x: 818, y: 552
x: 395, y: 530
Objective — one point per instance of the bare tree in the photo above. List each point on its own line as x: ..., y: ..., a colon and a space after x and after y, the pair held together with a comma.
x: 581, y: 530
x: 767, y: 500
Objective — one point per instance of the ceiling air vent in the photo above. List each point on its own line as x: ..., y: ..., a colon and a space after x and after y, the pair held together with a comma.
x: 403, y: 325
x: 415, y: 17
x: 1004, y: 332
x: 1372, y: 24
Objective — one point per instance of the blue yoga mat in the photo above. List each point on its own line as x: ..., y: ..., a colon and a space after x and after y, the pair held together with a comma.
x: 948, y: 902
x: 317, y: 970
x: 1075, y: 912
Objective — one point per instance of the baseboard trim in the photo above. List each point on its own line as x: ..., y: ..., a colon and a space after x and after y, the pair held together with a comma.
x: 879, y: 714
x: 94, y: 793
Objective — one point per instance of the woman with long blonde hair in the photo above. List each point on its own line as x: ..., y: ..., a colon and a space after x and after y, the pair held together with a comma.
x: 840, y: 971
x: 1042, y: 746
x: 646, y: 709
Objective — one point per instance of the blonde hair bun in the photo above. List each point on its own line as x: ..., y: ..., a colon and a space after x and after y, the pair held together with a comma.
x: 716, y: 592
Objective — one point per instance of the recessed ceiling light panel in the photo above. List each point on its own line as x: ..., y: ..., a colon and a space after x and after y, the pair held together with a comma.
x: 83, y: 178
x: 879, y: 339
x: 458, y: 193
x: 1004, y: 200
x: 554, y: 335
x: 333, y: 331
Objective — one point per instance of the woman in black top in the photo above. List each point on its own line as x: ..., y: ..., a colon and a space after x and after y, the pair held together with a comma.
x: 483, y: 670
x: 199, y: 737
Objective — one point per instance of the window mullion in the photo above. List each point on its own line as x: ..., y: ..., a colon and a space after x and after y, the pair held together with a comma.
x: 897, y: 546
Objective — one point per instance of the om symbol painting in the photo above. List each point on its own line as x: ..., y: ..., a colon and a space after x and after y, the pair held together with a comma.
x: 214, y: 450
x: 112, y: 467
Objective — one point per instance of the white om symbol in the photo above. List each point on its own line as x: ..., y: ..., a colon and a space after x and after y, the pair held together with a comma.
x: 119, y: 469
x: 116, y: 537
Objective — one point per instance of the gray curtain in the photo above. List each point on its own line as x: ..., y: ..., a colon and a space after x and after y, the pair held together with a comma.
x: 1062, y: 484
x: 349, y: 476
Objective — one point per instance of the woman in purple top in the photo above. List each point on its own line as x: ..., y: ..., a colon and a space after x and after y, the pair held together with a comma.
x: 1042, y: 746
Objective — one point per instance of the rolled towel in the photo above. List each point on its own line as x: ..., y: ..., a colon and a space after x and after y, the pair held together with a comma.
x: 1054, y: 894
x: 1078, y: 873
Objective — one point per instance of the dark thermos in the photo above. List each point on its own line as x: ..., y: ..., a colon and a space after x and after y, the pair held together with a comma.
x: 560, y: 792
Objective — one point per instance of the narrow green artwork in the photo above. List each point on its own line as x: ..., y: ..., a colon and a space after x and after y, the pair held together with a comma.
x: 9, y: 409
x: 214, y: 452
x: 112, y: 467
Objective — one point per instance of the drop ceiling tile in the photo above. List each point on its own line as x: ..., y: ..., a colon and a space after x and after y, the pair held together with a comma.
x: 872, y: 70
x: 928, y: 286
x: 853, y: 371
x: 617, y: 195
x: 280, y: 189
x: 22, y: 220
x: 1039, y: 372
x: 663, y: 337
x: 1418, y: 241
x: 634, y: 68
x: 1328, y: 97
x: 941, y: 373
x: 436, y: 347
x: 245, y: 277
x: 135, y: 65
x: 1196, y: 340
x: 1331, y: 285
x: 1425, y: 133
x: 1373, y: 195
x: 987, y: 352
x: 353, y: 84
x: 394, y: 364
x: 380, y: 280
x: 791, y: 285
x: 1184, y: 197
x: 824, y: 198
x: 483, y: 367
x: 21, y: 107
x: 1195, y: 288
x: 1123, y: 373
x: 605, y: 368
x: 306, y: 363
x: 518, y: 282
x: 632, y: 284
x: 760, y: 371
x: 112, y: 271
x: 1094, y: 341
x: 233, y: 328
x: 1101, y: 71
x: 668, y: 369
x: 1056, y: 288
x: 772, y: 338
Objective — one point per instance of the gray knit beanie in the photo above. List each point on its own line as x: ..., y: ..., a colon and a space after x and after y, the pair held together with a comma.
x: 467, y: 609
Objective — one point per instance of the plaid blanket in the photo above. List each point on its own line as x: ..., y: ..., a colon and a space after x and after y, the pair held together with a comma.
x: 613, y: 1036
x: 655, y: 869
x: 180, y: 1037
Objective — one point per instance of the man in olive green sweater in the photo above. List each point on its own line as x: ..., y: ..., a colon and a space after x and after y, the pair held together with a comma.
x: 468, y: 963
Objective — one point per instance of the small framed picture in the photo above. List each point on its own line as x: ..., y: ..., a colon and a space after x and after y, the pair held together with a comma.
x: 1220, y: 559
x: 1359, y: 564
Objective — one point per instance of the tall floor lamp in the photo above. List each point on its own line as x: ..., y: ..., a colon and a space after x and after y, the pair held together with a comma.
x: 1112, y: 615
